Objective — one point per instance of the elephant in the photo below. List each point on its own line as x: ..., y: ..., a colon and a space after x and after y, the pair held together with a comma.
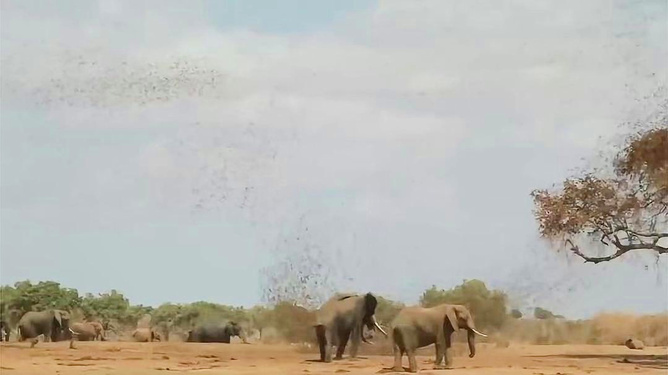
x: 416, y: 327
x: 53, y: 324
x: 11, y: 319
x: 634, y: 344
x: 4, y: 331
x: 88, y: 331
x: 341, y: 316
x: 145, y: 335
x: 216, y: 333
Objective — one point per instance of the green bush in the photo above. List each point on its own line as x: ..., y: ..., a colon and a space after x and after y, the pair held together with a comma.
x: 26, y: 296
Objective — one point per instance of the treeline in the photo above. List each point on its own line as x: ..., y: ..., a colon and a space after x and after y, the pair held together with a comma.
x: 286, y: 320
x: 490, y: 307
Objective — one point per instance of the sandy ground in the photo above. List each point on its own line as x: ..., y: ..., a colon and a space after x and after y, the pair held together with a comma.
x: 175, y: 357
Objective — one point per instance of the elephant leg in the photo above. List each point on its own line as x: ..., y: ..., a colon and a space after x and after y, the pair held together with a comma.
x: 398, y: 353
x: 343, y: 341
x: 448, y: 350
x: 328, y: 345
x: 439, y: 354
x: 412, y: 363
x: 322, y: 341
x: 355, y: 344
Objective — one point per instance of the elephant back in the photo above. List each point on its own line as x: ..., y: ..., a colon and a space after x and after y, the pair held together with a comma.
x: 211, y: 333
x: 83, y: 331
x: 333, y: 307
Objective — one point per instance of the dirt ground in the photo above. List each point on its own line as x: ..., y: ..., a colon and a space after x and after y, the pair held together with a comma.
x: 176, y: 357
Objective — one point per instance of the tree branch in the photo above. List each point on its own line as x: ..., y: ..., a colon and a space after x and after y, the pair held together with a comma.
x: 657, y: 235
x: 621, y: 250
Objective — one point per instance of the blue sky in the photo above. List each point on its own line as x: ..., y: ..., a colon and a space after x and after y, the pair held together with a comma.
x: 181, y: 152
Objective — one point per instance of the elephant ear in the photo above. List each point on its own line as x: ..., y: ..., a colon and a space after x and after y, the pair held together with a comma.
x: 370, y: 304
x: 452, y: 317
x: 58, y: 316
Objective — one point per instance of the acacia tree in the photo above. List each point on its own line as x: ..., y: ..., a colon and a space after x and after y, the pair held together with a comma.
x: 627, y: 211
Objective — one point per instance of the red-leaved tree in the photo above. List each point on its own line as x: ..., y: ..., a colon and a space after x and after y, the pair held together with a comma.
x: 627, y: 211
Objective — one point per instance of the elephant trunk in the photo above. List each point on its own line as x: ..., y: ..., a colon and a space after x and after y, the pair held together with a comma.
x: 471, y: 339
x: 373, y: 325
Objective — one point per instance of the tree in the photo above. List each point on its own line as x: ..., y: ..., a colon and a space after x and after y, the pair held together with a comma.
x: 7, y: 298
x: 44, y: 295
x: 627, y: 211
x: 516, y: 314
x: 105, y: 307
x: 487, y: 306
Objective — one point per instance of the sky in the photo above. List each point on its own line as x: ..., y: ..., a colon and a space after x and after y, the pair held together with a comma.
x: 184, y: 151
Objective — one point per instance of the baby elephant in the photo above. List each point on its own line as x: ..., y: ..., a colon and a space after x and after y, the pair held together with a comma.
x: 416, y: 327
x: 87, y: 331
x: 145, y: 335
x: 634, y: 344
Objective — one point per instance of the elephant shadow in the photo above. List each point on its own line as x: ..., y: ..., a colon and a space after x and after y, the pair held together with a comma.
x: 387, y: 370
x: 345, y: 359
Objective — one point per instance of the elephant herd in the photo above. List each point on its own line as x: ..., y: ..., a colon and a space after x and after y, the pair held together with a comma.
x: 54, y: 325
x: 339, y: 320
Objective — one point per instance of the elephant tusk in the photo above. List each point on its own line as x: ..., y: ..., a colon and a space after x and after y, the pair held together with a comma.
x: 379, y: 327
x: 481, y: 334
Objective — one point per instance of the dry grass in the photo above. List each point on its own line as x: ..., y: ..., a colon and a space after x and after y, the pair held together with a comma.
x: 605, y: 328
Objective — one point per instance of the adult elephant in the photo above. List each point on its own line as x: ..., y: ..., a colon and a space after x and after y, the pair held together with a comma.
x: 216, y: 333
x: 415, y: 327
x: 88, y: 331
x: 341, y: 318
x: 53, y: 324
x: 146, y: 335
